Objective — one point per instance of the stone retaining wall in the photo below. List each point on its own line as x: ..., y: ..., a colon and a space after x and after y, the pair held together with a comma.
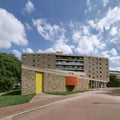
x: 54, y: 83
x: 51, y: 83
x: 27, y: 81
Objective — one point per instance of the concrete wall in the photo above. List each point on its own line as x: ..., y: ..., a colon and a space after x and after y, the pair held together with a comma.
x: 96, y: 68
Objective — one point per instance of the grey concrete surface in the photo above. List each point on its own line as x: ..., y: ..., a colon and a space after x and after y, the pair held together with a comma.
x: 43, y: 96
x: 94, y: 105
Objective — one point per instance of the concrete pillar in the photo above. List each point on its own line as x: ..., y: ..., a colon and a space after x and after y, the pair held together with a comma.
x: 94, y: 84
x: 96, y: 87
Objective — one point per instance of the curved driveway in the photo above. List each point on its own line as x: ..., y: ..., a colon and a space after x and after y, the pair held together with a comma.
x: 95, y: 105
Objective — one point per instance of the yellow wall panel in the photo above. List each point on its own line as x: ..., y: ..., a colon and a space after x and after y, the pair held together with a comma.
x: 39, y: 82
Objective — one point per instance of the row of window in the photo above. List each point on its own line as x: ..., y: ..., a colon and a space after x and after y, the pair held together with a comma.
x: 97, y: 76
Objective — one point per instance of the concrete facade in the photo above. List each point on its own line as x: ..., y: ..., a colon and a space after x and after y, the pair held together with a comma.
x: 93, y: 72
x: 96, y: 68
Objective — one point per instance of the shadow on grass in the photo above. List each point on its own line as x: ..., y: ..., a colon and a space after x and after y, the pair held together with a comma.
x: 14, y: 92
x: 14, y: 97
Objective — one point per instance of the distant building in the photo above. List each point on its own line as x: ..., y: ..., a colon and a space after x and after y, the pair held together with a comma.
x: 95, y: 69
x: 117, y: 73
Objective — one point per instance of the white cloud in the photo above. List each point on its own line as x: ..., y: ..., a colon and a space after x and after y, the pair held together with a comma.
x: 46, y: 30
x: 113, y: 31
x: 17, y: 53
x: 76, y: 35
x: 28, y: 27
x: 115, y: 59
x: 112, y: 17
x: 105, y: 2
x: 46, y: 50
x: 29, y: 7
x: 28, y: 50
x: 92, y: 23
x: 98, y: 13
x: 115, y: 68
x: 89, y: 6
x: 86, y: 42
x: 105, y: 54
x: 61, y: 45
x: 11, y: 30
x: 113, y: 52
x: 53, y: 33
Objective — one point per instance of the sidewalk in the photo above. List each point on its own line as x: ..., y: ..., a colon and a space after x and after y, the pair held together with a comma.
x: 37, y: 101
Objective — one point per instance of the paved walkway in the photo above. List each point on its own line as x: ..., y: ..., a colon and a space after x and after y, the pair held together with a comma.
x: 43, y: 96
x: 44, y: 99
x: 38, y: 100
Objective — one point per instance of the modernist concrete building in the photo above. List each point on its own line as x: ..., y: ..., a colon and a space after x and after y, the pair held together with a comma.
x: 94, y: 71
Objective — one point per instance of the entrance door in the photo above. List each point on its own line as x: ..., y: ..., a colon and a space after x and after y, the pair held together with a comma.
x: 39, y: 82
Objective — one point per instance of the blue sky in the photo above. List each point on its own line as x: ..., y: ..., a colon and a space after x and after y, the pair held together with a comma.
x: 82, y: 27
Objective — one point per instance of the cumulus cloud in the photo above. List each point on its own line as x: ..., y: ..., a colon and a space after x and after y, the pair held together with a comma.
x: 105, y: 54
x: 27, y: 26
x: 115, y: 59
x: 29, y: 7
x: 89, y: 6
x: 12, y: 31
x: 28, y: 50
x: 112, y: 17
x: 113, y: 52
x: 86, y: 42
x: 93, y: 37
x: 46, y: 50
x: 92, y: 23
x: 17, y: 53
x: 46, y: 30
x: 113, y: 31
x: 61, y: 45
x: 105, y: 2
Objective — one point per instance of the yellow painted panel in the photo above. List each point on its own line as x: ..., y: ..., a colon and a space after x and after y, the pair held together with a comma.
x: 39, y: 82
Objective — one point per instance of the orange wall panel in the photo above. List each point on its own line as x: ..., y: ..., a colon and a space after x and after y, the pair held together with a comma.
x: 72, y: 80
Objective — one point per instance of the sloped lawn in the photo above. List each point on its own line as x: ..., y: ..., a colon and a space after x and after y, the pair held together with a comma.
x: 14, y: 98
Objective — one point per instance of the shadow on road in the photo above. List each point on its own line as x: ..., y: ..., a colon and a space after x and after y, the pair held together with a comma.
x: 112, y: 92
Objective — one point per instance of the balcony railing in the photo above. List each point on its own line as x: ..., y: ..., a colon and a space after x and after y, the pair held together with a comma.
x: 63, y: 63
x: 70, y: 69
x: 69, y: 59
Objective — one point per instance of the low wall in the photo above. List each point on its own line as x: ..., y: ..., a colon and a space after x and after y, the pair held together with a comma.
x: 83, y: 85
x: 27, y: 81
x: 54, y: 83
x: 51, y: 83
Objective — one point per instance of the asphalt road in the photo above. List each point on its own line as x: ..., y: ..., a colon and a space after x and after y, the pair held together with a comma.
x: 95, y: 105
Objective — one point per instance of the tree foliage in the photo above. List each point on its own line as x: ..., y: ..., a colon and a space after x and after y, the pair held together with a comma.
x: 10, y: 71
x: 114, y: 81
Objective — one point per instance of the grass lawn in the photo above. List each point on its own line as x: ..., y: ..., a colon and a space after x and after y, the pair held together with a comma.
x: 14, y: 98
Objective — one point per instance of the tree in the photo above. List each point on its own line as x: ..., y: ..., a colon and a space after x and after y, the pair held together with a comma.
x: 114, y: 81
x: 10, y: 71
